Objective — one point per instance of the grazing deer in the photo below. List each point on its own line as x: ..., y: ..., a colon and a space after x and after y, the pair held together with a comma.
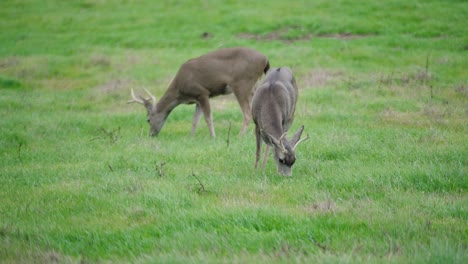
x: 273, y: 107
x: 225, y: 71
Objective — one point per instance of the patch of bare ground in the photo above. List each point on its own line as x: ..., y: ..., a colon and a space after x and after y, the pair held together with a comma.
x: 52, y: 257
x: 117, y: 90
x: 322, y: 207
x: 462, y: 90
x: 415, y: 78
x: 35, y: 255
x: 437, y: 113
x: 100, y: 61
x: 344, y: 36
x: 319, y: 78
x: 119, y: 64
x: 285, y: 35
x: 280, y: 34
x: 114, y: 86
x: 393, y: 116
x: 9, y: 62
x: 132, y: 59
x: 429, y: 114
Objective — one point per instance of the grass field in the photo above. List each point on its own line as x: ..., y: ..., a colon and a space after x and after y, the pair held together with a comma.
x: 383, y: 96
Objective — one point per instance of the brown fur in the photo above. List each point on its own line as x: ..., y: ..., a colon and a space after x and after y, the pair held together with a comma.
x: 273, y: 107
x: 224, y: 71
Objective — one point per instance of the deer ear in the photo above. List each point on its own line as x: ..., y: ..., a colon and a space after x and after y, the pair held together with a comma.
x: 297, y: 136
x: 269, y: 139
x: 148, y: 105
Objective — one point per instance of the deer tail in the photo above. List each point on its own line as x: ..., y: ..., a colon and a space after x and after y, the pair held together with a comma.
x: 267, y: 67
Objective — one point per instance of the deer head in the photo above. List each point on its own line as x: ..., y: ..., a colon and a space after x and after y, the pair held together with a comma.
x: 156, y: 120
x: 284, y: 150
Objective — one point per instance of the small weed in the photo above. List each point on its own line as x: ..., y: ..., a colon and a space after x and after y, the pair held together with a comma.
x: 462, y: 90
x: 159, y: 168
x: 201, y: 187
x: 100, y: 61
x: 228, y: 135
x: 111, y: 136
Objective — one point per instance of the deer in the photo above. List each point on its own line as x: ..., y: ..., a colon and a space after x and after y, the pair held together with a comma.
x: 273, y: 107
x: 225, y: 71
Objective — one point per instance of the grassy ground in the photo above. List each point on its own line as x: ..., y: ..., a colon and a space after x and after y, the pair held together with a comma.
x: 383, y: 95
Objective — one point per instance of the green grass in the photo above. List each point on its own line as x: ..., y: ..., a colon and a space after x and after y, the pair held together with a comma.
x: 383, y: 96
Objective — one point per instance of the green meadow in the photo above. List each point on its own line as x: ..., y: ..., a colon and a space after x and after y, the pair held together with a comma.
x: 383, y: 89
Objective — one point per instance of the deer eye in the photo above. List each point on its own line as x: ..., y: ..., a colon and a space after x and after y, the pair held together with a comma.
x: 282, y: 161
x: 148, y: 120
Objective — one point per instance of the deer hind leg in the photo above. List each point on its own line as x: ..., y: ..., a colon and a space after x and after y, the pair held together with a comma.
x: 244, y: 91
x: 205, y: 106
x: 247, y: 117
x: 265, y: 155
x: 196, y: 118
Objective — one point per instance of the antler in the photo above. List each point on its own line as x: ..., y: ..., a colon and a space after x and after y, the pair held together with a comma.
x: 135, y: 99
x: 283, y: 149
x: 297, y: 143
x: 152, y: 97
x: 143, y: 101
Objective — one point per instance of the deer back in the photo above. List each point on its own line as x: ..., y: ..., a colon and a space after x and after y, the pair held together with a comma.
x: 274, y: 102
x: 217, y: 72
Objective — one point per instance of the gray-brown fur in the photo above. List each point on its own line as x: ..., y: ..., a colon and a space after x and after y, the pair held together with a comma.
x: 224, y: 71
x: 273, y: 107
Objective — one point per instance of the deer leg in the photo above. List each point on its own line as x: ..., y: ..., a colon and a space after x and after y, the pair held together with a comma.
x: 244, y: 93
x: 265, y: 155
x: 205, y: 106
x: 258, y: 139
x: 196, y: 118
x: 247, y: 117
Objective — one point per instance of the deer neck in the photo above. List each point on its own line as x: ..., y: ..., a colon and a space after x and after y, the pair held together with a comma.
x: 274, y: 122
x: 167, y: 103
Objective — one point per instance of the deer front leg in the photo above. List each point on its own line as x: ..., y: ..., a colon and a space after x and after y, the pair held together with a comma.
x: 205, y: 106
x: 258, y: 139
x: 196, y: 118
